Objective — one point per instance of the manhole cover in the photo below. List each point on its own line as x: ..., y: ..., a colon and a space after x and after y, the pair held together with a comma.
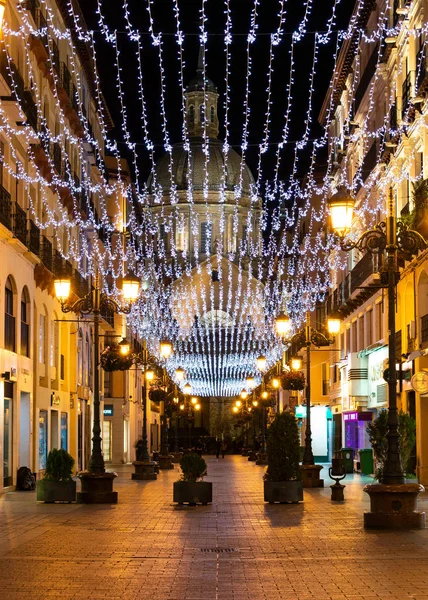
x: 218, y: 550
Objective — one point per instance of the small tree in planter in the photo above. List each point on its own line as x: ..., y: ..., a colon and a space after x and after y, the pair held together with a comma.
x: 282, y: 479
x: 191, y: 488
x: 377, y: 431
x: 58, y: 484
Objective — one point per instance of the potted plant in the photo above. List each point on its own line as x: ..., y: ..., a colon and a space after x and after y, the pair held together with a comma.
x: 377, y: 431
x: 293, y: 380
x: 57, y: 484
x: 191, y: 488
x: 111, y: 360
x: 282, y: 479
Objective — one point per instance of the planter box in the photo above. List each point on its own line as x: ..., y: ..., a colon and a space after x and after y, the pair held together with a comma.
x: 56, y: 491
x: 198, y: 492
x: 283, y: 491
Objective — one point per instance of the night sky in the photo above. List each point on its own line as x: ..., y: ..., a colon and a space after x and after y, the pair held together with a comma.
x: 164, y: 21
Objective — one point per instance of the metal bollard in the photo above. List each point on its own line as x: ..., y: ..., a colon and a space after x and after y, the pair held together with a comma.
x: 337, y: 488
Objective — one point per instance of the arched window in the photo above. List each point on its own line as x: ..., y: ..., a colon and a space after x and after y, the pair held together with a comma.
x: 25, y: 323
x: 9, y: 317
x: 212, y: 111
x: 191, y: 114
x: 87, y: 360
x: 42, y: 336
x: 201, y: 113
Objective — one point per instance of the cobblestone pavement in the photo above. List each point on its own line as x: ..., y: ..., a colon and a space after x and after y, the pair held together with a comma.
x: 238, y: 548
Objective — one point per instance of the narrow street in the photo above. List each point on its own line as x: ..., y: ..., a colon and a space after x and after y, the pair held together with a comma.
x: 238, y: 548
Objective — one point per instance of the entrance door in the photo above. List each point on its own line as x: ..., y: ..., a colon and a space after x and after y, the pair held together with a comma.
x: 54, y: 429
x: 43, y: 438
x: 8, y: 435
x: 24, y: 430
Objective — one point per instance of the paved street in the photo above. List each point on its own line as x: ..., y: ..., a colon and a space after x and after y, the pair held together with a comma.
x: 238, y: 548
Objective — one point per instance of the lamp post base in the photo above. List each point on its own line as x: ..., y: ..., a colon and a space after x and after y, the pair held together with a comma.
x: 311, y: 476
x: 166, y: 462
x: 144, y: 471
x: 97, y: 488
x: 394, y: 506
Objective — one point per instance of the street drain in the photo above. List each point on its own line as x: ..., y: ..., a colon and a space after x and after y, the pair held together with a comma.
x: 218, y: 550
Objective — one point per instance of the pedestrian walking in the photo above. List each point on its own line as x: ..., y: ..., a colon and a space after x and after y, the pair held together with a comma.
x: 223, y: 449
x: 217, y: 448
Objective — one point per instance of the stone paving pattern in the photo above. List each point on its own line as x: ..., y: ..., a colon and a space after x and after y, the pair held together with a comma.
x: 238, y: 548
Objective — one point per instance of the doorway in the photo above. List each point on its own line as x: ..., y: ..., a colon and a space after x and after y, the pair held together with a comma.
x: 24, y: 430
x: 8, y: 435
x: 54, y: 429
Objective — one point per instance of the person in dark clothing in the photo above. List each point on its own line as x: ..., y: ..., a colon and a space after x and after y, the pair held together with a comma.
x: 217, y: 448
x: 223, y: 449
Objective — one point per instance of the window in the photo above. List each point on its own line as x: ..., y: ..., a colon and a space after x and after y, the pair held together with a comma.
x: 201, y: 113
x: 53, y: 347
x: 206, y: 238
x: 191, y: 114
x: 42, y: 339
x: 354, y: 340
x: 212, y: 112
x: 379, y: 317
x: 25, y: 323
x: 80, y: 358
x: 369, y: 326
x: 163, y: 238
x: 342, y: 346
x: 180, y: 238
x: 348, y: 341
x: 9, y: 318
x: 361, y: 333
x: 87, y: 360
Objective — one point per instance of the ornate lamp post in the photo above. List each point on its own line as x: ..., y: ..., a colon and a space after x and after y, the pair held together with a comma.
x: 96, y: 484
x: 179, y: 376
x: 188, y: 409
x: 144, y: 467
x: 310, y: 471
x: 165, y: 459
x: 393, y: 502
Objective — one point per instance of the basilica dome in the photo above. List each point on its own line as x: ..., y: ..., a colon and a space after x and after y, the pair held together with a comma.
x: 188, y: 169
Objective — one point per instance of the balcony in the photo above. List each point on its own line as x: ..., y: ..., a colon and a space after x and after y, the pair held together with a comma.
x: 46, y: 253
x: 351, y: 293
x: 39, y: 44
x: 407, y: 110
x: 19, y: 223
x: 366, y: 78
x: 422, y: 75
x: 34, y: 238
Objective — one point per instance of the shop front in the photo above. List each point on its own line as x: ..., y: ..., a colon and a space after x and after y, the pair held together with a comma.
x: 355, y: 434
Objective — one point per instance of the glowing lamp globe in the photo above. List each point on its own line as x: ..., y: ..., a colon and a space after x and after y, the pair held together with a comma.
x: 150, y: 375
x: 296, y: 363
x: 341, y: 207
x: 194, y: 400
x: 244, y: 394
x: 283, y: 324
x: 179, y: 374
x: 165, y: 349
x: 130, y: 288
x: 62, y: 288
x: 187, y: 389
x: 333, y: 324
x: 251, y: 382
x: 264, y: 395
x: 238, y: 403
x: 235, y: 409
x: 261, y: 363
x: 275, y: 383
x: 124, y: 347
x: 197, y: 407
x: 255, y: 403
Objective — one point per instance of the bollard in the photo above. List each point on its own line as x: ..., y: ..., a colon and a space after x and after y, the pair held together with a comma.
x: 337, y: 488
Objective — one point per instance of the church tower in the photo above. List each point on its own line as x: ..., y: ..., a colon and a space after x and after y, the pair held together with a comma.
x: 201, y: 106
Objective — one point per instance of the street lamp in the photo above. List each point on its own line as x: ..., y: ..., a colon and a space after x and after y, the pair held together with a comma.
x: 393, y: 502
x: 187, y: 389
x: 261, y: 363
x: 296, y: 363
x: 96, y: 484
x: 165, y: 460
x: 305, y: 338
x: 124, y: 347
x: 144, y: 467
x: 244, y: 394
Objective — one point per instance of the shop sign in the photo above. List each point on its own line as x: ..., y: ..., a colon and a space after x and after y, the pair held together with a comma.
x: 108, y: 410
x: 301, y: 412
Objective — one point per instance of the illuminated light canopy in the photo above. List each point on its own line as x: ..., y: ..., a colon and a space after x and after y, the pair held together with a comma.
x: 341, y: 207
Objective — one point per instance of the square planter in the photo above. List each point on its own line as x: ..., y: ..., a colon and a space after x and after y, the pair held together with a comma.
x: 198, y: 492
x: 56, y: 491
x: 283, y: 491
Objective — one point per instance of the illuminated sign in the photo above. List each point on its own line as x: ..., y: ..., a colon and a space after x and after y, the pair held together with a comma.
x: 108, y: 410
x: 301, y: 412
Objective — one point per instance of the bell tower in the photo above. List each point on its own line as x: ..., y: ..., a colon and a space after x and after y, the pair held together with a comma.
x: 201, y: 107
